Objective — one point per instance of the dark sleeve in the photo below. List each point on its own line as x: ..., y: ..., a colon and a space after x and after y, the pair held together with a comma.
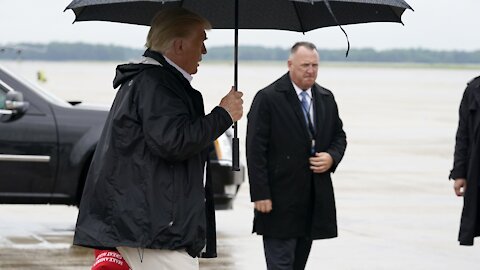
x: 170, y: 130
x: 339, y: 139
x: 257, y: 142
x: 460, y: 157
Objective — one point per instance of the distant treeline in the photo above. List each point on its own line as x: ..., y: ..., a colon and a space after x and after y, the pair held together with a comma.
x: 56, y: 51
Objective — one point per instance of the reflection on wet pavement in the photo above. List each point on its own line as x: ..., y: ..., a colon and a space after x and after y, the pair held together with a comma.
x: 73, y: 258
x: 47, y: 244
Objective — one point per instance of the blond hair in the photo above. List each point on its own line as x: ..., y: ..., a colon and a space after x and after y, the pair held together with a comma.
x: 172, y: 23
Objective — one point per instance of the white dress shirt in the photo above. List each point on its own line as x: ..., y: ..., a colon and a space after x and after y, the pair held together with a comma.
x: 309, y: 96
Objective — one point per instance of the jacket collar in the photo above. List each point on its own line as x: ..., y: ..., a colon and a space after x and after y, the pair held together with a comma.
x: 285, y: 85
x: 163, y: 62
x: 474, y: 104
x: 188, y: 94
x: 475, y: 85
x: 181, y: 70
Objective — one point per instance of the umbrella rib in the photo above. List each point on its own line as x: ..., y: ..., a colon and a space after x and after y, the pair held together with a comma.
x: 396, y: 15
x: 78, y: 15
x: 298, y: 16
x: 327, y: 3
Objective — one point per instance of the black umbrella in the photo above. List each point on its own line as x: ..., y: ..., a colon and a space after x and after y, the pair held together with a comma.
x: 293, y: 15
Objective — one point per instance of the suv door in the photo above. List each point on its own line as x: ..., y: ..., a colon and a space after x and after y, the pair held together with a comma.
x: 28, y: 150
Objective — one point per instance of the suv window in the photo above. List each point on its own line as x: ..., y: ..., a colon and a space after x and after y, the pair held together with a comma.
x: 3, y: 95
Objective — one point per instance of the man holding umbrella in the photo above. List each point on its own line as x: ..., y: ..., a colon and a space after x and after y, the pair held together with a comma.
x: 295, y: 140
x: 145, y: 193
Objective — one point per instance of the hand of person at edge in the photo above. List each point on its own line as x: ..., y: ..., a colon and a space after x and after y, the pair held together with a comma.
x: 233, y: 104
x: 321, y: 162
x: 460, y: 186
x: 263, y: 206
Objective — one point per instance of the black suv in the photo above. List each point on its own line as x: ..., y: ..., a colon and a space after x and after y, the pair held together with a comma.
x: 46, y: 145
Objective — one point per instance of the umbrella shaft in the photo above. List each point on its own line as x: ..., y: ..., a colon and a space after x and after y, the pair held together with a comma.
x: 235, y: 140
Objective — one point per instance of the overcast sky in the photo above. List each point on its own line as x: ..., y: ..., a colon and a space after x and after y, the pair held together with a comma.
x: 435, y: 24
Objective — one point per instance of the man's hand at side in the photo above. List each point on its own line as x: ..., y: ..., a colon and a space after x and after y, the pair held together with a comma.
x: 460, y: 186
x: 263, y: 206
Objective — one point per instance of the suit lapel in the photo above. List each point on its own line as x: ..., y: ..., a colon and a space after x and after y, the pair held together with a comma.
x: 294, y: 102
x: 318, y: 109
x: 474, y: 106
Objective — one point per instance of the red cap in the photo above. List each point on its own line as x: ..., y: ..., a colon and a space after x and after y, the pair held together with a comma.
x: 109, y: 260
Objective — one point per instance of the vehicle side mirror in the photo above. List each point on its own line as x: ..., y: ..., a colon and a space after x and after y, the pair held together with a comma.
x: 14, y: 102
x: 14, y: 106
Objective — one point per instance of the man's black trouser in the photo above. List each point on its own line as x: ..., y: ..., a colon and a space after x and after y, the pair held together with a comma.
x: 286, y: 254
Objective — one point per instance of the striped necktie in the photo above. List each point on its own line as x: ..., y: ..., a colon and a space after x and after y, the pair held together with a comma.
x: 306, y: 103
x: 306, y: 106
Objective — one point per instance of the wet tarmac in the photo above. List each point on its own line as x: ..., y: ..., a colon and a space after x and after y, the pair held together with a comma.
x: 40, y: 237
x: 396, y: 208
x: 382, y: 225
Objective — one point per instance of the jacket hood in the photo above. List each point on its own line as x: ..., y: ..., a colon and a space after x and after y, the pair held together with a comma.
x: 150, y: 59
x: 125, y: 72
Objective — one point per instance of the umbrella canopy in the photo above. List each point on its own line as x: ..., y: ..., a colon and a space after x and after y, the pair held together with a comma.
x: 293, y: 15
x: 296, y: 15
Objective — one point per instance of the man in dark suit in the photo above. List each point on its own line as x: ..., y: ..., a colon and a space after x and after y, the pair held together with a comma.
x: 466, y: 171
x: 295, y: 140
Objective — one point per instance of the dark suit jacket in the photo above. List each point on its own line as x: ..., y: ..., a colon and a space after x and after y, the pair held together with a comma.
x: 278, y: 151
